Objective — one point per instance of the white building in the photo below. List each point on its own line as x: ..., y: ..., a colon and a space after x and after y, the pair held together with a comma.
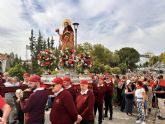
x: 4, y: 62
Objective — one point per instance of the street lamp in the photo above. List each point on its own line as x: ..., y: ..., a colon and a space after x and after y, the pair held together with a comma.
x: 75, y: 28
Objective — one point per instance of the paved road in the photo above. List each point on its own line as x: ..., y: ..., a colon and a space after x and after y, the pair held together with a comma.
x: 121, y: 118
x: 118, y: 118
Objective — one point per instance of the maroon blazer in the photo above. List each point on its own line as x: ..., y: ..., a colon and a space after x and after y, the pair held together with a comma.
x: 85, y: 105
x: 63, y: 109
x: 72, y: 92
x: 34, y: 107
x: 109, y: 89
x: 99, y: 93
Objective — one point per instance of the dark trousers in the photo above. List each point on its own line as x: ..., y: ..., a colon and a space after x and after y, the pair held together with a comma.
x: 20, y: 113
x: 87, y: 122
x: 123, y: 103
x: 40, y: 122
x: 119, y: 96
x: 129, y: 105
x: 108, y: 105
x: 99, y: 106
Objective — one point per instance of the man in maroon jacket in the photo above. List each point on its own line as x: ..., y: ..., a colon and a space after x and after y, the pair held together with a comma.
x: 34, y: 106
x: 99, y: 92
x: 108, y: 97
x: 67, y: 85
x: 63, y: 109
x: 85, y: 103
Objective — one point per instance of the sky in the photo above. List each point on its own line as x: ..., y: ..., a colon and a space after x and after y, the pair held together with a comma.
x: 114, y: 23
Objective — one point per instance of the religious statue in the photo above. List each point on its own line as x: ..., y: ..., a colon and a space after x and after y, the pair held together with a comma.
x: 67, y: 37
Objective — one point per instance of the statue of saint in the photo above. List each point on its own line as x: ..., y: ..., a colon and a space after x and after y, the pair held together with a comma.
x: 67, y: 37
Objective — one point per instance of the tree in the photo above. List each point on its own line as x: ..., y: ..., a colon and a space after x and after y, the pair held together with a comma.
x: 129, y: 56
x: 52, y: 43
x: 17, y: 70
x: 162, y: 57
x: 153, y: 60
x: 115, y: 60
x: 85, y: 47
x: 97, y: 68
x: 48, y: 43
x: 34, y: 52
x: 101, y: 54
x: 107, y: 68
x: 15, y: 60
x: 44, y: 45
x: 39, y: 43
x: 36, y: 46
x: 116, y: 70
x: 123, y: 68
x: 146, y: 64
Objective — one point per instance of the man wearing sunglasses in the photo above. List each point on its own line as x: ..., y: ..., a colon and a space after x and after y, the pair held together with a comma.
x: 63, y: 109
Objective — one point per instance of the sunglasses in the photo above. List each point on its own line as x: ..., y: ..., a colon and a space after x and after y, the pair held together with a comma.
x: 54, y: 85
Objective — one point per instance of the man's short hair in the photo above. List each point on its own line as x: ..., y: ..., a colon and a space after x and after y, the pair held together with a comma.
x: 160, y: 77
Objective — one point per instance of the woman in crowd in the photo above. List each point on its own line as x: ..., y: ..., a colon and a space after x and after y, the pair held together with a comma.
x: 129, y: 96
x: 140, y: 99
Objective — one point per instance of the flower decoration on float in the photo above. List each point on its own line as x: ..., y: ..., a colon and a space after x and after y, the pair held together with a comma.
x: 46, y: 58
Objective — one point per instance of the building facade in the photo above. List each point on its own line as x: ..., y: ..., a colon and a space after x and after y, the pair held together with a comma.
x: 4, y: 62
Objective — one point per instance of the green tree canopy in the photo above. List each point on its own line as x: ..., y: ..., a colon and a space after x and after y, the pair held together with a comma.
x: 123, y: 68
x: 153, y: 60
x: 101, y: 54
x: 97, y: 67
x: 107, y: 68
x: 17, y: 70
x: 162, y: 57
x: 115, y: 60
x: 129, y: 56
x: 15, y: 60
x: 116, y: 70
x: 87, y: 47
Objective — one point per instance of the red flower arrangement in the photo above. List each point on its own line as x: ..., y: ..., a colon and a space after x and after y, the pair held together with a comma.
x: 84, y: 60
x: 68, y: 58
x: 46, y: 58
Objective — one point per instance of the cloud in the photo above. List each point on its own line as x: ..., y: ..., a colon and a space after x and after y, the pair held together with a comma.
x: 116, y: 24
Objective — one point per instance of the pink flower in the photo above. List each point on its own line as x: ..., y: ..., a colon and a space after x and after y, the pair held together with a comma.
x: 72, y: 50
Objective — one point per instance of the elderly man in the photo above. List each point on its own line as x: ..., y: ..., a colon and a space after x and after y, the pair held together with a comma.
x: 63, y: 109
x: 6, y: 110
x: 67, y: 85
x: 34, y: 106
x: 85, y: 103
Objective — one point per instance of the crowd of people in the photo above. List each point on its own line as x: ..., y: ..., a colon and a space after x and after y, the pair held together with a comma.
x: 78, y: 104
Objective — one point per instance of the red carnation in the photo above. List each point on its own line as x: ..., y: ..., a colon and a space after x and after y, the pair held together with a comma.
x: 69, y: 61
x: 72, y: 50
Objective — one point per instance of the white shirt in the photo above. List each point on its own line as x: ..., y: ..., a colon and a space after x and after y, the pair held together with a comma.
x: 69, y: 87
x: 8, y: 84
x: 100, y: 85
x: 138, y: 94
x: 59, y: 91
x: 37, y: 89
x: 85, y: 92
